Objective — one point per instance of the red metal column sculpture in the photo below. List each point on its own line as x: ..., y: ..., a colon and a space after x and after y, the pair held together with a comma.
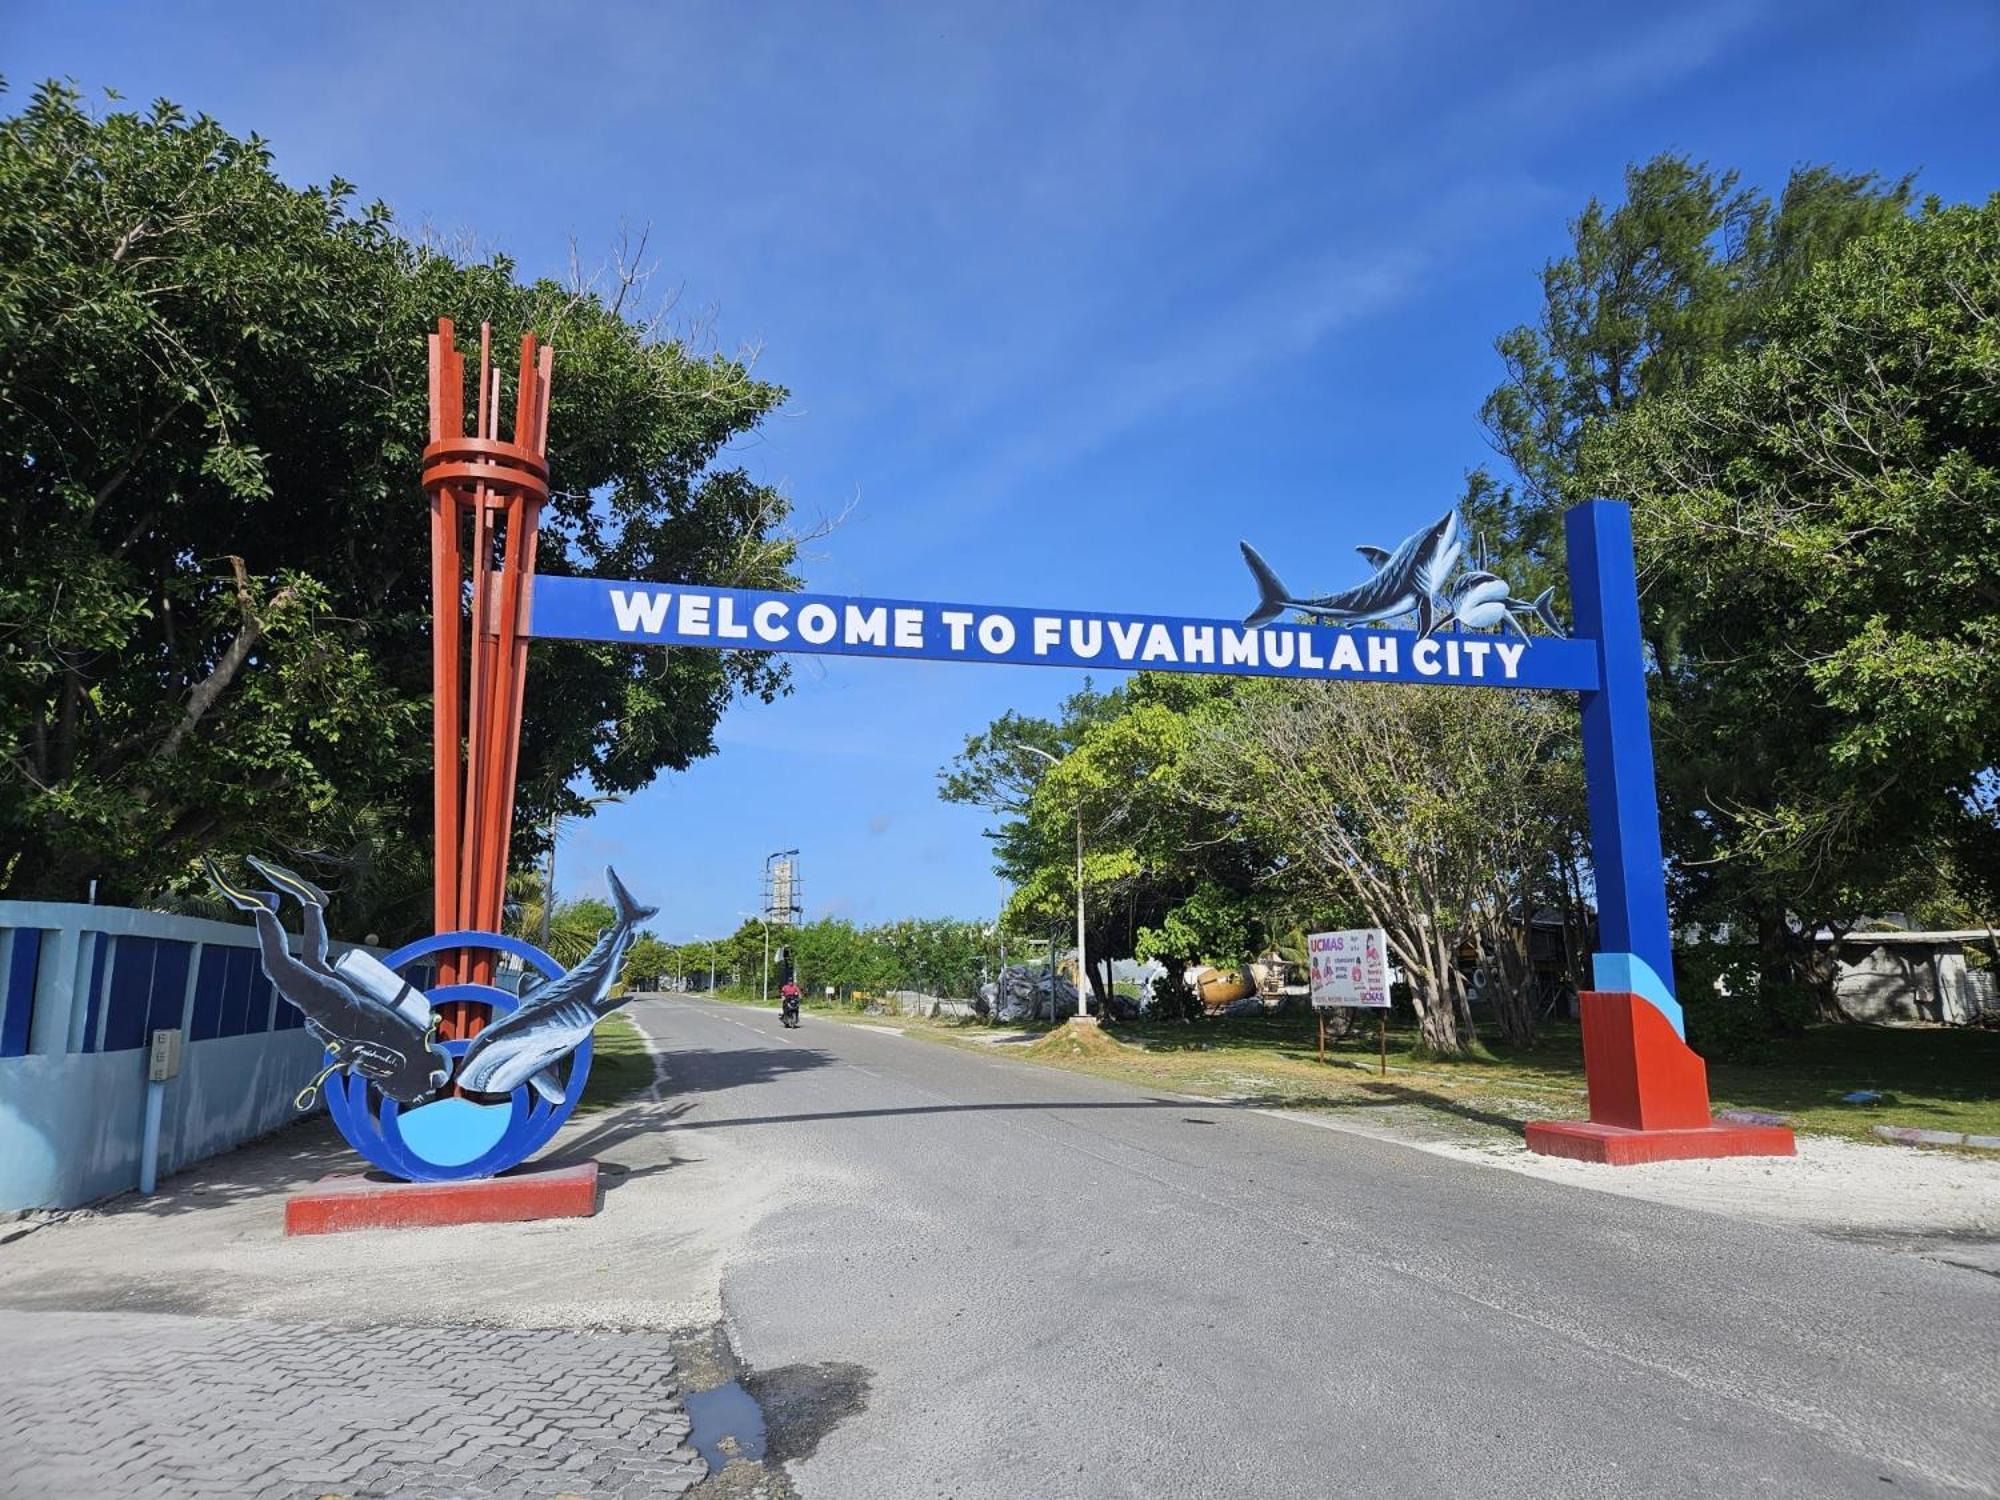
x: 494, y: 490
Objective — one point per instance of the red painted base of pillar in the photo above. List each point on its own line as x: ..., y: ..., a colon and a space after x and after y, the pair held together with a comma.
x: 1648, y: 1095
x: 351, y: 1201
x: 1614, y: 1146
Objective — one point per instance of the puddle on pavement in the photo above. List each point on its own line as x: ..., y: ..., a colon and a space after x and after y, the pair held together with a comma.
x: 748, y: 1424
x: 728, y: 1424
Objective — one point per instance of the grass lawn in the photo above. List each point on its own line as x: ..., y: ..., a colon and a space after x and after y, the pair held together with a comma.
x: 620, y: 1065
x: 1933, y: 1079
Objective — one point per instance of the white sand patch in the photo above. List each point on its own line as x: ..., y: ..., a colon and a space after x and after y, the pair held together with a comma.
x: 1833, y: 1186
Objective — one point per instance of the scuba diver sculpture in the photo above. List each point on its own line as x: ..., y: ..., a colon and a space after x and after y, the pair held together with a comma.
x: 381, y: 1033
x: 458, y: 1077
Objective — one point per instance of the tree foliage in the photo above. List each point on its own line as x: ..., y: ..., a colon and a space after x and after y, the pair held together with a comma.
x: 1448, y: 819
x: 1163, y: 877
x: 213, y: 625
x: 1683, y: 271
x: 1818, y: 515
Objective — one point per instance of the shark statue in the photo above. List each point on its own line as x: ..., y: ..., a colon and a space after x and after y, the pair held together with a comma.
x: 1480, y: 599
x: 1412, y: 578
x: 526, y: 1045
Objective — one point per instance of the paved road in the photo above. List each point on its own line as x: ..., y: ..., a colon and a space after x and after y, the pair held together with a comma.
x: 1056, y: 1286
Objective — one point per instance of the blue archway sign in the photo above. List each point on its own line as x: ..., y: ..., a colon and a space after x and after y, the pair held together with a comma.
x: 1648, y: 1090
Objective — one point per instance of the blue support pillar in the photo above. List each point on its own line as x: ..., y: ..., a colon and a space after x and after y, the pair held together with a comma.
x: 1635, y: 945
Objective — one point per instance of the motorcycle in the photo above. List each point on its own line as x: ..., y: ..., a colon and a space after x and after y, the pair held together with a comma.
x: 788, y: 1012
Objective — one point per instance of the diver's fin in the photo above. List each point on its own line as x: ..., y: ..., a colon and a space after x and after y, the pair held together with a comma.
x: 236, y: 895
x: 1272, y: 599
x: 296, y: 886
x: 626, y: 904
x: 1545, y: 611
x: 547, y: 1085
x: 1375, y: 556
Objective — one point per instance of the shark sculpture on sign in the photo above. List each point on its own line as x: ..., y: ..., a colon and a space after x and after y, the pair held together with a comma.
x: 1415, y: 578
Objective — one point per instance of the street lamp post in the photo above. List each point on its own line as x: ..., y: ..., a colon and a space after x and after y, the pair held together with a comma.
x: 549, y: 879
x: 767, y: 950
x: 1082, y: 1006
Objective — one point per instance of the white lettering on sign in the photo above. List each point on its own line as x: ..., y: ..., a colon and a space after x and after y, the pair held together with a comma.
x: 817, y: 624
x: 867, y: 627
x: 730, y: 618
x: 647, y: 611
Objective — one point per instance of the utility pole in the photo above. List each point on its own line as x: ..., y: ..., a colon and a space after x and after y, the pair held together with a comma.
x: 1082, y: 1006
x: 767, y: 950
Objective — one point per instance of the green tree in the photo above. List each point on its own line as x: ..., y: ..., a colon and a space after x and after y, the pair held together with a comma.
x: 1443, y: 817
x: 1817, y: 517
x: 1150, y: 848
x: 212, y: 410
x: 1682, y: 272
x: 646, y: 961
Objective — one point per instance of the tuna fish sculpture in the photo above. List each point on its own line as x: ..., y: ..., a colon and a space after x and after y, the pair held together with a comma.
x: 370, y: 1022
x: 524, y: 1047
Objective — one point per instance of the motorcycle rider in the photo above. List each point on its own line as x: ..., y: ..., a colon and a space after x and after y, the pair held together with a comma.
x: 788, y: 996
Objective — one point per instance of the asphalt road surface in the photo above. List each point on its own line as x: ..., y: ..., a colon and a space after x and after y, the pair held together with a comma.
x: 1051, y: 1285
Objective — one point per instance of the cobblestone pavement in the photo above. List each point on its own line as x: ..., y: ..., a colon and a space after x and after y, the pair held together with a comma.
x: 138, y: 1404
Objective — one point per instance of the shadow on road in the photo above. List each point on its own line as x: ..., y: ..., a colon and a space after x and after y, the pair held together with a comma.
x: 1001, y: 1107
x: 628, y: 1120
x: 705, y: 1070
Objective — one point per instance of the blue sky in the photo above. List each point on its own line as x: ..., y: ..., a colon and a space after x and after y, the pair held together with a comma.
x: 1069, y: 297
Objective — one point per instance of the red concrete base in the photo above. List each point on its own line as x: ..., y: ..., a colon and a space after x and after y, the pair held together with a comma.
x: 351, y: 1201
x: 1618, y: 1146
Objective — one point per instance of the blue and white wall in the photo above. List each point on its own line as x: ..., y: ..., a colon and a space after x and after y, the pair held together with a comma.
x: 82, y: 989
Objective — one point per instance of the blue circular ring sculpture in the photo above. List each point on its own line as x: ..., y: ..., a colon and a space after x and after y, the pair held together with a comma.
x: 486, y: 1142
